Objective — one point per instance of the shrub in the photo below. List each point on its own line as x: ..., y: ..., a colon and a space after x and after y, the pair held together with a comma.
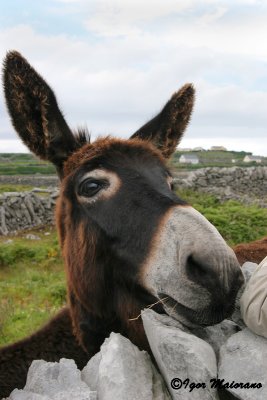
x: 236, y: 222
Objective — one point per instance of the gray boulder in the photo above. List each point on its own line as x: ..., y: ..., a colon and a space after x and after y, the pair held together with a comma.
x: 217, y: 335
x: 22, y: 395
x: 119, y: 371
x: 54, y: 381
x: 181, y: 357
x: 243, y: 359
x: 124, y: 373
x: 90, y: 372
x: 247, y: 268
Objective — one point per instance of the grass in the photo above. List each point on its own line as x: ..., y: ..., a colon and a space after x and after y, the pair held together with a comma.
x: 26, y: 163
x: 15, y: 188
x: 23, y: 164
x: 26, y: 169
x: 236, y: 222
x: 32, y: 281
x: 32, y: 284
x: 210, y: 158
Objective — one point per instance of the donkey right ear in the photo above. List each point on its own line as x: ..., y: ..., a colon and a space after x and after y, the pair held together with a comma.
x: 34, y: 112
x: 166, y: 129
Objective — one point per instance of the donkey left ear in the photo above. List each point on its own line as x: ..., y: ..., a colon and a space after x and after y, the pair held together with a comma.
x: 34, y: 112
x: 166, y: 129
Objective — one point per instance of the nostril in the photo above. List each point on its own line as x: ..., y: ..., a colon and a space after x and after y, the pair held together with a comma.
x: 199, y: 272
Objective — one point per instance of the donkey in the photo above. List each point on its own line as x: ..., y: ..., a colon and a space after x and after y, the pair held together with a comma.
x: 254, y: 251
x: 128, y: 241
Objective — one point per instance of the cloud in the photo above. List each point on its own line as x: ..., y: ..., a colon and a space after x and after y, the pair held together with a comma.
x: 114, y: 83
x: 118, y: 17
x: 213, y: 16
x: 12, y: 146
x: 70, y: 1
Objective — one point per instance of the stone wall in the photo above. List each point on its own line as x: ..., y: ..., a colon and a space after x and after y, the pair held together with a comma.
x: 240, y: 180
x: 32, y: 180
x: 228, y: 183
x: 26, y: 209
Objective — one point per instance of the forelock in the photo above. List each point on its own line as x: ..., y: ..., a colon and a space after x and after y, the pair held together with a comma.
x: 110, y: 147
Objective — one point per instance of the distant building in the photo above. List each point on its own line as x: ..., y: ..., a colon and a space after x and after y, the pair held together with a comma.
x: 198, y: 149
x: 185, y: 149
x: 189, y: 159
x: 249, y: 158
x: 218, y: 148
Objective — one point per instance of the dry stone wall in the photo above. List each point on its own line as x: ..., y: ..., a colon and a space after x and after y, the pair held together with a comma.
x: 228, y: 183
x: 26, y: 209
x: 36, y: 180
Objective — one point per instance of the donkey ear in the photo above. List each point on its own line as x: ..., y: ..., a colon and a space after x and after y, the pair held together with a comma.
x: 166, y: 129
x: 34, y: 111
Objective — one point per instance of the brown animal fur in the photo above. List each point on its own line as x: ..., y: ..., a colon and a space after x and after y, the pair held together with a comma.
x: 102, y: 259
x: 177, y: 113
x: 36, y: 117
x: 254, y: 251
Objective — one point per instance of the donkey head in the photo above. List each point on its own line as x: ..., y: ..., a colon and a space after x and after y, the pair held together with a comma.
x: 128, y: 241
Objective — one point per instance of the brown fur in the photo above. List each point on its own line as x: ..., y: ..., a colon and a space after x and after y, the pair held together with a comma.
x: 105, y: 243
x: 31, y: 104
x: 254, y: 251
x: 166, y: 129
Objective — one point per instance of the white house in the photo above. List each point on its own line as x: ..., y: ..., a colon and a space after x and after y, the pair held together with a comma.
x: 184, y: 149
x: 198, y: 149
x: 249, y: 158
x: 189, y: 159
x: 218, y: 148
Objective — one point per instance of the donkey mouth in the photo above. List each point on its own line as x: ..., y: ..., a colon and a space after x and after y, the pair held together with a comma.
x: 194, y: 318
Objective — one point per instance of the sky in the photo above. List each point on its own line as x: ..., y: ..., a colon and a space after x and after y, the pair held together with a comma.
x: 113, y: 64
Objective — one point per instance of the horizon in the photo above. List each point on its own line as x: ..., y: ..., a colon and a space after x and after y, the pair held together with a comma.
x: 178, y: 149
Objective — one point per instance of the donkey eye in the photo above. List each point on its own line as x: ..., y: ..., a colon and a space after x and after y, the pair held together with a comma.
x: 90, y: 187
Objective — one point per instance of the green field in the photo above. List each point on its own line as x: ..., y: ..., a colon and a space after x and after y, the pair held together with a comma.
x: 32, y: 282
x: 209, y: 158
x: 25, y: 163
x: 14, y: 188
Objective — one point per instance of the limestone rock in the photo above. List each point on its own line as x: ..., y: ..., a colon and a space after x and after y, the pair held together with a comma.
x: 3, y: 227
x: 243, y: 358
x: 8, y: 241
x: 119, y: 371
x: 247, y: 269
x: 217, y: 335
x: 91, y: 371
x: 180, y: 355
x: 124, y: 372
x: 22, y: 395
x: 30, y: 236
x: 54, y: 381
